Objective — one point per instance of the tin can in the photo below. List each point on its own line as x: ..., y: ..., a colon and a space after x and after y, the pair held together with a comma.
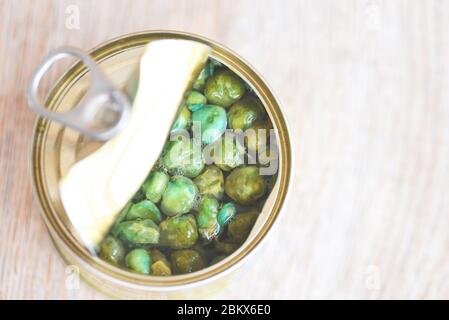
x: 55, y: 149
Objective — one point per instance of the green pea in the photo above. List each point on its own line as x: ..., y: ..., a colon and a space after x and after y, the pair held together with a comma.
x: 213, y: 122
x: 218, y: 259
x: 230, y: 155
x: 204, y: 249
x: 139, y: 261
x: 157, y: 255
x: 225, y: 247
x: 138, y: 232
x: 155, y: 185
x: 112, y: 250
x: 160, y: 268
x: 224, y: 88
x: 144, y: 210
x: 195, y: 101
x: 245, y: 185
x: 182, y: 157
x: 208, y: 226
x: 226, y: 213
x: 211, y: 182
x: 201, y: 80
x: 183, y: 121
x: 186, y: 261
x: 179, y: 196
x: 244, y: 113
x: 240, y: 227
x: 179, y: 232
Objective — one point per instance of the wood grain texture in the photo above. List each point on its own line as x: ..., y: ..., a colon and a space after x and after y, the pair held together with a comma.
x: 364, y: 87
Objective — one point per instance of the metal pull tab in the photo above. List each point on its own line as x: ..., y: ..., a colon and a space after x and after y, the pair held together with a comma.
x: 100, y: 114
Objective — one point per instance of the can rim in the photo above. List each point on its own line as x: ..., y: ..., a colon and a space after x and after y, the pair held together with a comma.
x: 123, y: 277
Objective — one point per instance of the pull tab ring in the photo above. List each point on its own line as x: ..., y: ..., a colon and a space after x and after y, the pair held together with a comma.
x: 100, y: 114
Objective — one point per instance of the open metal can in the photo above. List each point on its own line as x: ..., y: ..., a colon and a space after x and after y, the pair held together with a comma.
x: 56, y: 148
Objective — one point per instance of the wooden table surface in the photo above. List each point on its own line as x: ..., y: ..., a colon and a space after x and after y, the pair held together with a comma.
x: 364, y: 88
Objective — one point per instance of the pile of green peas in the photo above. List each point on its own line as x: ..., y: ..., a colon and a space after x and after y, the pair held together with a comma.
x: 188, y: 215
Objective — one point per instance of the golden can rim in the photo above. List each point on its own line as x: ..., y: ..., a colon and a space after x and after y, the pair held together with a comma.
x: 123, y: 277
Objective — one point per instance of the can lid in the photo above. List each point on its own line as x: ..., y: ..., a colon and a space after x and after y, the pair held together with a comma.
x: 101, y: 113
